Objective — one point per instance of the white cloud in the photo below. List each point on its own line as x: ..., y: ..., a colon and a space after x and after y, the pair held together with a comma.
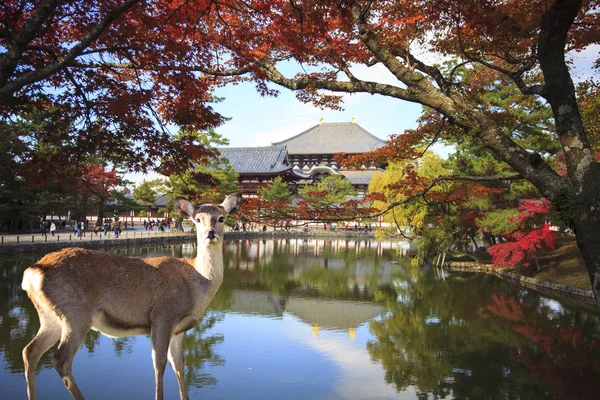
x: 360, y: 378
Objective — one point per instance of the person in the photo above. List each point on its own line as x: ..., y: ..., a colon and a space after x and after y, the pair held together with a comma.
x: 82, y: 227
x: 78, y: 229
x: 264, y: 228
x: 105, y: 226
x: 52, y: 228
x: 43, y: 227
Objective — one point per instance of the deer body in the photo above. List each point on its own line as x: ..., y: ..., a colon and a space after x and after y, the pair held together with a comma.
x: 75, y: 290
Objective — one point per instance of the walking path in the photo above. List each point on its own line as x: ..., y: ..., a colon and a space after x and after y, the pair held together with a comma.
x: 68, y: 235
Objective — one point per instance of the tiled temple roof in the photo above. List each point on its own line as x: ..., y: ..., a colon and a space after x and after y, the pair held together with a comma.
x: 268, y: 159
x: 329, y: 138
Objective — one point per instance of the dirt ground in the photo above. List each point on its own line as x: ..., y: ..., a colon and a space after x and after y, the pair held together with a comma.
x: 562, y: 265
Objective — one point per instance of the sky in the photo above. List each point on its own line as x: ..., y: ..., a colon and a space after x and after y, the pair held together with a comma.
x: 260, y: 121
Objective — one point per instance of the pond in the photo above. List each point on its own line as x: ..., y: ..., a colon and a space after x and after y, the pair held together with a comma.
x: 333, y: 319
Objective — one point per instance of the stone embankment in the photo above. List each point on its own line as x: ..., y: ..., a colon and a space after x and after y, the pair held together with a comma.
x: 527, y: 281
x: 11, y: 248
x: 30, y: 244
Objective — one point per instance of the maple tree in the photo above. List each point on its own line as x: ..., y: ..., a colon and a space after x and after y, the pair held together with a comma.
x: 121, y: 74
x: 516, y: 40
x: 93, y: 183
x: 523, y: 243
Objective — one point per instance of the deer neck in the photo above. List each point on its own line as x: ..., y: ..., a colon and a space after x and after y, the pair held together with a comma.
x: 209, y: 262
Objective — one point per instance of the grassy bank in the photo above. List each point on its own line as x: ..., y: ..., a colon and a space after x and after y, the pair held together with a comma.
x: 563, y: 265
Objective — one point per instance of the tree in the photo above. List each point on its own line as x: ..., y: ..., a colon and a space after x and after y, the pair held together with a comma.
x: 522, y: 249
x: 96, y: 185
x: 276, y: 190
x: 209, y: 181
x: 514, y: 40
x: 121, y: 73
x: 273, y: 204
x: 327, y: 194
x: 146, y: 192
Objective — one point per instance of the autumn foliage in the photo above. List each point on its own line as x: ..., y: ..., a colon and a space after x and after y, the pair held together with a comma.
x: 522, y: 244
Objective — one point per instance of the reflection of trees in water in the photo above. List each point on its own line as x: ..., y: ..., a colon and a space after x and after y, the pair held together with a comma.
x: 562, y: 351
x: 329, y: 283
x: 453, y: 338
x: 18, y: 319
x: 332, y: 270
x: 199, y: 349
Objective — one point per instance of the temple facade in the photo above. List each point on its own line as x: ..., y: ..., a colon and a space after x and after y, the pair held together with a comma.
x: 305, y: 158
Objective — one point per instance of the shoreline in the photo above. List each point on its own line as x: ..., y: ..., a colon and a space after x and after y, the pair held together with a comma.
x: 527, y: 281
x: 13, y: 248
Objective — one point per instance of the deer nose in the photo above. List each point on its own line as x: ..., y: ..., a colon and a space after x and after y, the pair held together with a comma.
x: 211, y: 234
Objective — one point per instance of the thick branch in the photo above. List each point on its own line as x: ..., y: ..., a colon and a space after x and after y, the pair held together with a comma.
x: 354, y: 86
x: 430, y: 70
x: 460, y: 112
x: 34, y: 76
x: 163, y: 67
x: 10, y: 59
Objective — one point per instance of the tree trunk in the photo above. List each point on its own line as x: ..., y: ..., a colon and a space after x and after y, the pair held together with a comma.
x: 178, y: 225
x: 586, y: 218
x: 100, y: 215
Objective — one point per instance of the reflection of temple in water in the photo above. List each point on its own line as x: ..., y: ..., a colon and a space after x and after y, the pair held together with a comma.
x: 330, y: 283
x: 363, y: 256
x: 330, y: 314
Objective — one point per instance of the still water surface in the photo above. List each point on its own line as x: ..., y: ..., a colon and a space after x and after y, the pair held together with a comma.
x: 317, y: 319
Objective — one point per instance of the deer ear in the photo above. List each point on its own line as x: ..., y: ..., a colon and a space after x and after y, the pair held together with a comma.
x: 232, y: 203
x: 185, y: 207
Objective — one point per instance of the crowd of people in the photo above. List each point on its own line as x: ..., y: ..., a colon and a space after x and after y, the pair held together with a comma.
x: 162, y: 225
x: 80, y: 227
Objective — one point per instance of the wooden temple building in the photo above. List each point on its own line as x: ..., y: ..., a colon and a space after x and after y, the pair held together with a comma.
x: 305, y: 158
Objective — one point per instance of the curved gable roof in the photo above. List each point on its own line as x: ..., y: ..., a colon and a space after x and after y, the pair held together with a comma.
x: 268, y: 159
x: 329, y: 138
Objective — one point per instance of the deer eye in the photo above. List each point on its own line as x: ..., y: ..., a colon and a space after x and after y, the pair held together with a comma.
x: 198, y: 220
x: 222, y: 219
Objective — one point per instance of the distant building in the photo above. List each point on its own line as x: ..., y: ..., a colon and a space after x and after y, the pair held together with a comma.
x: 258, y: 166
x: 305, y: 158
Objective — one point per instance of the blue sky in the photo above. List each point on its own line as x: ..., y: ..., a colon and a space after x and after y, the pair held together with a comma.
x: 259, y: 121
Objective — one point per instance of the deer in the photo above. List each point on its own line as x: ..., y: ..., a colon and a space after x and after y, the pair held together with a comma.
x: 75, y: 290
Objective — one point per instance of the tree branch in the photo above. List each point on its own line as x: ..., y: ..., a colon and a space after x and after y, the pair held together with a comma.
x: 439, y: 179
x: 10, y: 59
x: 34, y: 76
x: 337, y: 86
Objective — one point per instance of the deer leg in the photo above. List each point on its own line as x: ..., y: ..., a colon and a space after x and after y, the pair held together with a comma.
x: 47, y: 336
x: 160, y: 336
x: 70, y: 342
x: 177, y: 362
